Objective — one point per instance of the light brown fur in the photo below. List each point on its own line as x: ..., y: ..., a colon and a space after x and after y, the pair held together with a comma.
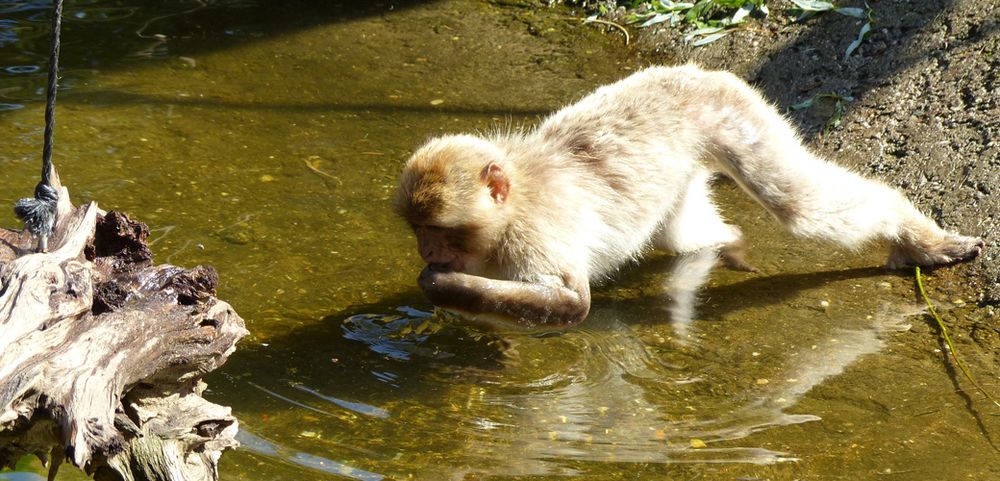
x: 625, y: 168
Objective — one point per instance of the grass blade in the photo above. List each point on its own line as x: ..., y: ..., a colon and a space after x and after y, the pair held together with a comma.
x: 947, y: 340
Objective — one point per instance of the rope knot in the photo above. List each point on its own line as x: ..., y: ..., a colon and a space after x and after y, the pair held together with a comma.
x: 39, y: 212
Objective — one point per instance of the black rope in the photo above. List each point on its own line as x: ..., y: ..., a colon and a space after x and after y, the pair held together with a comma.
x: 39, y: 213
x: 50, y: 93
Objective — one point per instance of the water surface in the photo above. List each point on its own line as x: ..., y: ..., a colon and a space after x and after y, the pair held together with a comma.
x: 265, y: 139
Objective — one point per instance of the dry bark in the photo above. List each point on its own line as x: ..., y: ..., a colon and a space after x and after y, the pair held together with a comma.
x: 102, y: 353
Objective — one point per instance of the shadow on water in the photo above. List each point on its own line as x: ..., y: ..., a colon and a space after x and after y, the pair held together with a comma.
x: 131, y: 98
x: 99, y: 35
x: 756, y: 289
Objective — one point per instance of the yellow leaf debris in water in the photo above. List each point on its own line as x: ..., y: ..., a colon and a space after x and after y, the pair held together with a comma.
x: 698, y: 444
x: 267, y: 178
x: 422, y: 326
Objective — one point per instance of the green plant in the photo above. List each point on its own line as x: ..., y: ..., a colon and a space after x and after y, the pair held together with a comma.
x: 839, y: 101
x: 809, y: 8
x: 711, y: 19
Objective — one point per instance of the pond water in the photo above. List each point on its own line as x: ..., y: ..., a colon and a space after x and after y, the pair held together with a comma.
x: 264, y: 138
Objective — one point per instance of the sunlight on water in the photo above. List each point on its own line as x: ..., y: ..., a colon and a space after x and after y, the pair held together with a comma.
x: 259, y: 445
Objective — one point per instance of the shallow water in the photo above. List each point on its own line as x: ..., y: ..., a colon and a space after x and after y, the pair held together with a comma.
x: 264, y: 139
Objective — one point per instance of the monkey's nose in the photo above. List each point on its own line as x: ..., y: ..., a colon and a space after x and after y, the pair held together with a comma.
x: 437, y: 257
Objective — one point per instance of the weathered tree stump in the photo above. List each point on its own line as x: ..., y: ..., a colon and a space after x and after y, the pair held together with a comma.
x: 102, y: 353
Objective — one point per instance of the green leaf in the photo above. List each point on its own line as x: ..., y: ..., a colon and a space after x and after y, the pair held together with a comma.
x: 704, y: 31
x: 857, y: 42
x: 733, y: 3
x: 805, y: 104
x: 659, y: 18
x: 742, y: 13
x: 855, y: 12
x: 838, y: 112
x: 699, y: 10
x: 813, y: 5
x: 709, y: 39
x: 670, y: 6
x: 708, y: 34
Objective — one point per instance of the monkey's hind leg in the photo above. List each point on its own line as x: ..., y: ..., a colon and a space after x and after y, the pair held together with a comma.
x: 816, y: 198
x: 752, y: 143
x: 695, y: 224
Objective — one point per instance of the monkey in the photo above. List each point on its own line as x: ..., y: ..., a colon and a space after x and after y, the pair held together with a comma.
x: 515, y: 226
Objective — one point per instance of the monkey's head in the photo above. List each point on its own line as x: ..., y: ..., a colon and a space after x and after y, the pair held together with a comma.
x: 453, y: 192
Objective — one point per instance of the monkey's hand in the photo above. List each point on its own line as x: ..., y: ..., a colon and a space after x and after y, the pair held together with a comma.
x: 523, y: 305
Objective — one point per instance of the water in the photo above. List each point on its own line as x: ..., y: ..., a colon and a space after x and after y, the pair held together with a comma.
x: 265, y: 138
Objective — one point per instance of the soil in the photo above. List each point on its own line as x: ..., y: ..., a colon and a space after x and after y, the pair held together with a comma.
x: 925, y: 115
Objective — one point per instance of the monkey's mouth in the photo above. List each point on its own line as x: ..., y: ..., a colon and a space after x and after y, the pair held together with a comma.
x: 454, y: 265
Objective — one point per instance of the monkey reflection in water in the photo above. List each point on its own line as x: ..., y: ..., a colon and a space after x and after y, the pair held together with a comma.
x: 515, y: 226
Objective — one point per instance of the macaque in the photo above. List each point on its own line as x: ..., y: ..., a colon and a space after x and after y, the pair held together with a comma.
x: 514, y: 227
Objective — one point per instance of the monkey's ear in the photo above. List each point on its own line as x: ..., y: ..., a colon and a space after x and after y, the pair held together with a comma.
x: 496, y: 179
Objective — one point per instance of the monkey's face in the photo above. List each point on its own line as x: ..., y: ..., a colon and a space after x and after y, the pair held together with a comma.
x: 453, y: 193
x: 449, y: 248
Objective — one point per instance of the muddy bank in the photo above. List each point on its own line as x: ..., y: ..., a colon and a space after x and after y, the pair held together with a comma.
x: 926, y: 110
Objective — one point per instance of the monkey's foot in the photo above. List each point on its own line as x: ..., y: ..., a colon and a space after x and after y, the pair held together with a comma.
x: 733, y: 256
x: 948, y: 249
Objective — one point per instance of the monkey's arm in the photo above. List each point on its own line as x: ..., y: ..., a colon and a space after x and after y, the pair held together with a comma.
x: 523, y: 304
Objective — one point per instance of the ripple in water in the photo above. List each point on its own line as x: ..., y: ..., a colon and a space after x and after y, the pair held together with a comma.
x: 570, y: 403
x: 599, y: 398
x: 22, y: 69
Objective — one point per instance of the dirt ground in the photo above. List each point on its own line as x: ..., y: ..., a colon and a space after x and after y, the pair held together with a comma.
x: 926, y: 109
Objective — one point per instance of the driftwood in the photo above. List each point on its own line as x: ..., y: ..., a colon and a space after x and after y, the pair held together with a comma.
x: 102, y: 353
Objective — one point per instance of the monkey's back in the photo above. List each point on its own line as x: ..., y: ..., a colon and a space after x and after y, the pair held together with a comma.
x: 629, y: 149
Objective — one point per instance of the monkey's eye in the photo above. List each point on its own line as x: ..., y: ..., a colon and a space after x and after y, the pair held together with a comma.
x: 425, y: 227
